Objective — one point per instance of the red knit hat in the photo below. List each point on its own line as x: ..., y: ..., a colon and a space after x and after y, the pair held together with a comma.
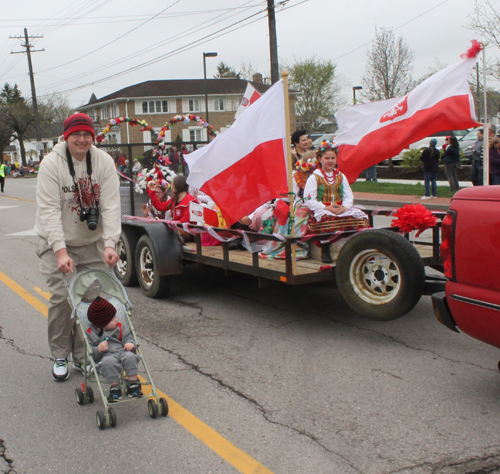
x: 101, y: 312
x: 78, y: 123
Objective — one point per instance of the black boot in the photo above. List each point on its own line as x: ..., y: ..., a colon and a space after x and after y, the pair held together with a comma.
x: 326, y: 257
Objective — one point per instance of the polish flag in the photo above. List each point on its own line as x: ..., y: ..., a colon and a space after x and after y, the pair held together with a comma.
x: 250, y: 96
x: 245, y: 166
x: 373, y: 132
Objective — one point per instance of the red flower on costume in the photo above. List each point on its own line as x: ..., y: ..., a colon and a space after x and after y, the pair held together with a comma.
x: 413, y: 217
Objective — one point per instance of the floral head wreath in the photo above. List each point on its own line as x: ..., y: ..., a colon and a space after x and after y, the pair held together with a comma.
x: 160, y: 175
x: 307, y: 166
x: 327, y: 146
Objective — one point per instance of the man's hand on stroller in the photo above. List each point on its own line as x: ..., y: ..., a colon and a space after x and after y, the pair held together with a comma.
x: 64, y: 262
x: 129, y: 346
x: 110, y: 256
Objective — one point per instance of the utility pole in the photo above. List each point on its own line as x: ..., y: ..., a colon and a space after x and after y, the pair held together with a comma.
x: 28, y: 51
x: 273, y: 42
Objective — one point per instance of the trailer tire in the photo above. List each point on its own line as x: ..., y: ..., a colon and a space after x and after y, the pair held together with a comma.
x: 380, y: 274
x: 125, y: 269
x: 152, y: 284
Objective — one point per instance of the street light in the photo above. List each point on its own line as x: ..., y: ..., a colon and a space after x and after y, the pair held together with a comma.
x: 354, y: 89
x: 206, y: 55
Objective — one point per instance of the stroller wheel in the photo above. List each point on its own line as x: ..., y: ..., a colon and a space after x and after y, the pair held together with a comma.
x: 163, y: 407
x: 152, y: 408
x: 90, y: 394
x: 101, y: 420
x: 112, y: 414
x: 79, y: 396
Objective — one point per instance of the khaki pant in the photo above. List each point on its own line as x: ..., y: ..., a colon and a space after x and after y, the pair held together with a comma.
x: 64, y: 336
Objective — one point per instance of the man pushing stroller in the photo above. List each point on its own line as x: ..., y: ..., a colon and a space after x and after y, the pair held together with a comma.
x: 113, y: 346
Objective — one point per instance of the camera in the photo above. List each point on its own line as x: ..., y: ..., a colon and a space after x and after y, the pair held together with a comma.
x: 91, y: 215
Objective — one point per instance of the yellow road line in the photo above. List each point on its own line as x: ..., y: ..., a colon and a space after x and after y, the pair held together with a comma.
x: 19, y: 199
x: 44, y: 294
x: 37, y: 304
x: 216, y: 442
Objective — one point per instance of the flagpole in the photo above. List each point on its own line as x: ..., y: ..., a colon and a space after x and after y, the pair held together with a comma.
x: 486, y: 130
x: 285, y: 75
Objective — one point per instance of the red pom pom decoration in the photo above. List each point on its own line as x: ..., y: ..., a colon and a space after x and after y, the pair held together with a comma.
x: 473, y: 51
x: 413, y: 217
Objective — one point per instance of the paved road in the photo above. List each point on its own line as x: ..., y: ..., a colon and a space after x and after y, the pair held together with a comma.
x: 290, y: 377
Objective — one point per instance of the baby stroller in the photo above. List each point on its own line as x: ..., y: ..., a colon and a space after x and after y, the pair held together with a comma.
x: 84, y: 288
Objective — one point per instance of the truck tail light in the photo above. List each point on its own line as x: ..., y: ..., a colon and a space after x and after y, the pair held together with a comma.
x: 446, y: 250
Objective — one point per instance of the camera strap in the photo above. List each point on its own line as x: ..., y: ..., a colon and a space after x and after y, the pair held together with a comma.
x: 89, y: 172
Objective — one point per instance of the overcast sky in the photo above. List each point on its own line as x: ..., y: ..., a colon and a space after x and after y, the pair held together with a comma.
x: 169, y: 34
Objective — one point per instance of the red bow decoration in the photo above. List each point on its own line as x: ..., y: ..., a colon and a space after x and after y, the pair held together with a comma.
x: 281, y: 212
x: 413, y: 217
x: 473, y: 51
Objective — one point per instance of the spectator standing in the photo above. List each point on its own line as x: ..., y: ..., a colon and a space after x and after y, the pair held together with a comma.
x: 430, y: 158
x: 451, y: 158
x: 494, y: 153
x: 74, y: 181
x: 2, y: 176
x: 371, y: 173
x: 121, y: 161
x: 173, y: 157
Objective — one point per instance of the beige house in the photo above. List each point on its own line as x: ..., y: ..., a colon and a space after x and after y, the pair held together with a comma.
x: 157, y: 102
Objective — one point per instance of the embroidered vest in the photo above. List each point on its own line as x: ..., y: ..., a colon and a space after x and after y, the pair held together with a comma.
x: 330, y: 193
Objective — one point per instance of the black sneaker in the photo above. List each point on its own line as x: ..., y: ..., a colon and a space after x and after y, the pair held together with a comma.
x: 79, y: 367
x: 134, y: 390
x: 60, y: 370
x: 115, y: 394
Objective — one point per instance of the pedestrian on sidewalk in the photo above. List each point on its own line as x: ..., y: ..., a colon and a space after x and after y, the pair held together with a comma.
x: 2, y: 176
x: 430, y: 158
x: 451, y: 158
x: 494, y: 156
x: 371, y: 173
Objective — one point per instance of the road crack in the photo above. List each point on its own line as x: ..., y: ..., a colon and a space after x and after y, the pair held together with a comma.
x: 265, y: 414
x: 12, y: 343
x: 9, y: 467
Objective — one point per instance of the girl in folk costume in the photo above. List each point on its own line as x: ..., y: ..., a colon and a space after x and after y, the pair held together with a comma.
x: 161, y: 188
x: 331, y: 199
x: 177, y: 208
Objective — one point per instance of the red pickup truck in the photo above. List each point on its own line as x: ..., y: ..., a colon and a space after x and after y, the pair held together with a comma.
x: 471, y: 257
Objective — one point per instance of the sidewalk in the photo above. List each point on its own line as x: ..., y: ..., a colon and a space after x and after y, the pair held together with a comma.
x: 395, y: 200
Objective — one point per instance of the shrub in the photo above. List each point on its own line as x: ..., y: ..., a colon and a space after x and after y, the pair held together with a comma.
x: 411, y: 160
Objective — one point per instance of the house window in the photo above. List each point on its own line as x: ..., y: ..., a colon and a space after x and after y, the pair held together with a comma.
x: 195, y: 135
x: 116, y: 110
x: 155, y: 107
x: 104, y: 112
x: 194, y: 105
x: 219, y: 104
x: 93, y: 115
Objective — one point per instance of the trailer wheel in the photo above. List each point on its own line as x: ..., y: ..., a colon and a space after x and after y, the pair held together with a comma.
x: 380, y: 274
x: 152, y: 284
x: 125, y: 268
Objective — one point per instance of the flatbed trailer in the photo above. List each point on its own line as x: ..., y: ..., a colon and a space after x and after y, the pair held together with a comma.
x: 380, y: 273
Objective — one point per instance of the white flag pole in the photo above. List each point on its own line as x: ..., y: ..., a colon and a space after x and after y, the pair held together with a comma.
x: 486, y: 130
x: 289, y: 165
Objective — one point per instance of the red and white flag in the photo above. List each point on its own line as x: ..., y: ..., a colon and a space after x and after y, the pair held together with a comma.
x: 245, y: 166
x: 373, y: 132
x: 250, y: 96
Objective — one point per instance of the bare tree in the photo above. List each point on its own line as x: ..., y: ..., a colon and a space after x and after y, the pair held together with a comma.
x: 319, y: 87
x: 388, y: 70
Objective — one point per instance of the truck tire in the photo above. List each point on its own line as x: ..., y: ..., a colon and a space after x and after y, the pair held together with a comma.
x: 380, y: 274
x: 125, y: 268
x: 152, y: 284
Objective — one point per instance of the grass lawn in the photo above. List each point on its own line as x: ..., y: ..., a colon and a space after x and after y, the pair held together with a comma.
x: 395, y: 188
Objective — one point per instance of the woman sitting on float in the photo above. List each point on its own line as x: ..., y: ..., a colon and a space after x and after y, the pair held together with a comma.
x: 328, y: 195
x: 176, y: 208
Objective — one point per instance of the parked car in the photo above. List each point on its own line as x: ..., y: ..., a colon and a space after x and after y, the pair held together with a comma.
x: 327, y: 136
x: 470, y: 255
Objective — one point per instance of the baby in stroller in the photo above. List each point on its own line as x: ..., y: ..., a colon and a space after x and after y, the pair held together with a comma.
x: 114, y: 347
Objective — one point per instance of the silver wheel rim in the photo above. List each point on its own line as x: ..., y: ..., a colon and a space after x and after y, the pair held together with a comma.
x: 147, y: 267
x: 121, y: 266
x: 375, y: 278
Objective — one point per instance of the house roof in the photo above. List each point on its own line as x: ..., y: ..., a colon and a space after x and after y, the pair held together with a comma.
x: 180, y: 87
